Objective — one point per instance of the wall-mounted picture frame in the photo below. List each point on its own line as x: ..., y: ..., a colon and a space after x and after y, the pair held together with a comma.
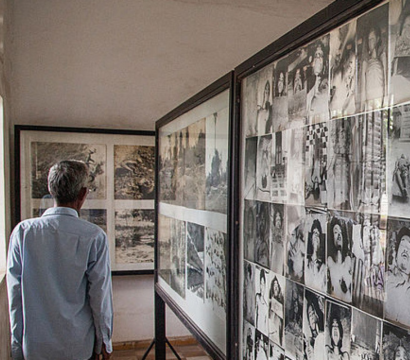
x: 122, y: 185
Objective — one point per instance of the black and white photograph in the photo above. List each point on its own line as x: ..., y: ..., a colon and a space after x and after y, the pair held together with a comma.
x: 248, y: 341
x: 318, y: 89
x: 249, y: 292
x: 295, y: 243
x: 277, y: 238
x: 339, y: 255
x: 264, y: 101
x: 46, y: 154
x: 261, y: 300
x: 279, y: 165
x: 343, y: 70
x: 276, y: 300
x: 179, y: 168
x: 215, y: 270
x: 97, y: 217
x: 398, y: 161
x: 216, y: 163
x: 164, y: 247
x: 315, y: 264
x: 316, y: 157
x: 314, y: 326
x: 297, y: 87
x: 134, y: 236
x: 366, y: 336
x: 263, y: 167
x: 340, y: 178
x: 195, y: 258
x: 193, y: 181
x: 263, y: 225
x: 396, y: 343
x: 276, y: 352
x: 371, y: 157
x: 295, y: 168
x: 250, y: 217
x: 178, y: 257
x: 249, y: 104
x: 372, y: 50
x: 261, y: 346
x: 368, y: 251
x: 397, y: 306
x: 400, y: 50
x: 134, y: 172
x: 249, y: 191
x: 337, y: 331
x: 280, y: 99
x: 168, y: 167
x: 293, y: 338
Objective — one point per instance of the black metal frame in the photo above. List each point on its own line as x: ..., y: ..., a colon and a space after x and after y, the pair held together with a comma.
x: 17, y: 137
x: 224, y: 83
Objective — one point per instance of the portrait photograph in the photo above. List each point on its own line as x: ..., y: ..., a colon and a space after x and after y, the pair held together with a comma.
x: 249, y: 191
x: 134, y: 172
x: 315, y: 231
x: 397, y: 308
x: 337, y: 330
x: 396, y: 343
x: 366, y: 336
x: 316, y: 157
x: 295, y: 243
x: 168, y: 167
x: 263, y: 233
x: 248, y: 349
x: 249, y: 229
x: 343, y: 70
x: 368, y: 250
x: 249, y: 292
x: 297, y: 87
x: 263, y: 166
x: 164, y: 248
x: 276, y: 303
x: 216, y: 164
x: 295, y: 183
x: 280, y: 98
x: 372, y: 162
x: 261, y: 300
x: 340, y: 231
x: 178, y: 257
x: 276, y: 352
x: 277, y: 238
x: 398, y: 161
x: 249, y: 104
x: 399, y: 50
x: 264, y: 100
x: 317, y: 80
x: 279, y: 165
x: 215, y: 270
x: 195, y: 239
x: 314, y: 325
x: 372, y: 49
x: 134, y: 236
x: 261, y: 346
x: 294, y: 320
x: 340, y: 178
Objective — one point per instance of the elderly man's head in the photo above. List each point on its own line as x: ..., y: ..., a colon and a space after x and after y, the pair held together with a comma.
x: 66, y: 180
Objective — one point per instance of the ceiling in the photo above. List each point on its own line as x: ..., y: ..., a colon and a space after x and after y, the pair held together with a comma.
x: 126, y: 63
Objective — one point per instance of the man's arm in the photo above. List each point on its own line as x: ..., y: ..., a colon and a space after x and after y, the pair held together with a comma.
x: 100, y: 294
x: 14, y: 267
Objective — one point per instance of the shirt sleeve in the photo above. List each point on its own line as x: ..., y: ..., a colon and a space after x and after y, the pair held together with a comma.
x: 14, y: 268
x: 100, y: 292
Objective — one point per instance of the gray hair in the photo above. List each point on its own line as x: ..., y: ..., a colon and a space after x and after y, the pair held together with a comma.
x: 66, y: 179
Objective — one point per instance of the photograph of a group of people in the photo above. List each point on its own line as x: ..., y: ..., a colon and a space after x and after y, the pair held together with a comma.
x: 325, y: 195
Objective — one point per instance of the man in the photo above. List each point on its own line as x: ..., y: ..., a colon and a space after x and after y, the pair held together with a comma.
x: 58, y: 277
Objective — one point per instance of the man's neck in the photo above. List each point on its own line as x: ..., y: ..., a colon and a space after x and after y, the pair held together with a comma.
x: 73, y: 205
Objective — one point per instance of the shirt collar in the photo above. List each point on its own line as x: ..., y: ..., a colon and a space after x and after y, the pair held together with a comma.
x: 61, y: 211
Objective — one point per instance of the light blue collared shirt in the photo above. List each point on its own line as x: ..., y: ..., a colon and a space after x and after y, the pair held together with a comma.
x: 59, y: 287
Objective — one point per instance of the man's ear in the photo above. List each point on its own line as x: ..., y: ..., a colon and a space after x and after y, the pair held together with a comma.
x: 83, y: 194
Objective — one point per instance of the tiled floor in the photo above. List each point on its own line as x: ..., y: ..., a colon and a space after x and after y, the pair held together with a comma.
x: 185, y: 352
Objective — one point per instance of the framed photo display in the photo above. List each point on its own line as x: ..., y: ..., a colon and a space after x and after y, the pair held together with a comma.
x: 122, y: 185
x: 193, y: 176
x: 324, y: 194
